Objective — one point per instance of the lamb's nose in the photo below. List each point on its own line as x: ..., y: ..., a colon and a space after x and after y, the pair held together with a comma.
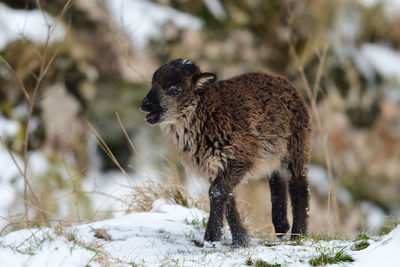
x: 146, y: 106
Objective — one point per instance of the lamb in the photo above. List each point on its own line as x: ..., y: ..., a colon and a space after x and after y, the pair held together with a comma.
x: 254, y: 124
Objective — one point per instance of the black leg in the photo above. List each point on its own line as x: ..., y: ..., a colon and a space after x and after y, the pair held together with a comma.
x: 221, y: 192
x: 239, y: 234
x: 299, y: 195
x: 218, y: 194
x: 278, y: 188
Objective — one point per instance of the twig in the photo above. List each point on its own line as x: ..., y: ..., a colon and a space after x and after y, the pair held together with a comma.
x: 311, y: 94
x: 127, y: 136
x: 21, y: 84
x: 319, y: 71
x: 109, y: 153
x: 124, y: 45
x: 45, y: 64
x: 22, y: 173
x: 134, y: 149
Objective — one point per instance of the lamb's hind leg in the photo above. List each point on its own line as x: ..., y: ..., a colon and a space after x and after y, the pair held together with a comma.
x: 299, y: 195
x: 239, y: 234
x: 278, y: 187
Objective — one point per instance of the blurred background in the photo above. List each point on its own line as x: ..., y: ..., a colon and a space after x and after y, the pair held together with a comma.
x: 73, y: 74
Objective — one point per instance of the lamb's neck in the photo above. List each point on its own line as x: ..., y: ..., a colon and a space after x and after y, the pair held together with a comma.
x: 185, y: 130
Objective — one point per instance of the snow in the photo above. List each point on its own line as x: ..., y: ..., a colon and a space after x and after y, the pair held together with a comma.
x: 51, y: 252
x: 109, y: 191
x: 8, y: 127
x: 385, y: 60
x: 143, y: 20
x: 27, y: 24
x: 7, y: 190
x: 319, y: 179
x: 11, y: 181
x: 382, y: 253
x: 38, y: 163
x: 197, y: 186
x: 164, y: 236
x: 216, y: 8
x: 369, y: 58
x: 390, y: 7
x: 375, y: 216
x: 8, y: 172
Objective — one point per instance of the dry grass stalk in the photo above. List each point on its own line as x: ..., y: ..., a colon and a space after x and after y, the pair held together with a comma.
x: 46, y: 62
x: 141, y: 160
x: 312, y: 94
x: 109, y: 153
x: 144, y: 194
x: 173, y: 189
x: 124, y: 45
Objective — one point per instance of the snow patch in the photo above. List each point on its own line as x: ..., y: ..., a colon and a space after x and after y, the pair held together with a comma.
x: 36, y: 247
x: 38, y: 163
x: 9, y: 173
x: 32, y: 25
x: 197, y: 186
x: 390, y: 7
x: 382, y: 253
x: 318, y: 177
x: 8, y: 191
x: 384, y: 60
x: 11, y: 181
x: 8, y: 127
x: 375, y: 216
x: 216, y: 8
x: 143, y: 20
x: 164, y: 236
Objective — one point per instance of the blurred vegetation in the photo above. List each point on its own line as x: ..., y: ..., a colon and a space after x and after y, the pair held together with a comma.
x: 90, y: 69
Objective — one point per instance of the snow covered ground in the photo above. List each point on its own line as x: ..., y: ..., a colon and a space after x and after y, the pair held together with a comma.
x: 165, y: 236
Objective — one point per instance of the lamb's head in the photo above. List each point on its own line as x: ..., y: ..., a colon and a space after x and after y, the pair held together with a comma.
x: 173, y: 88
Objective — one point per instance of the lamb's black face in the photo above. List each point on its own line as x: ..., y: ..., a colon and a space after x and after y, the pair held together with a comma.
x: 171, y: 84
x: 151, y: 105
x: 173, y: 89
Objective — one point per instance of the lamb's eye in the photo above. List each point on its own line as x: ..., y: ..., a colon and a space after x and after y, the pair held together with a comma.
x: 173, y: 91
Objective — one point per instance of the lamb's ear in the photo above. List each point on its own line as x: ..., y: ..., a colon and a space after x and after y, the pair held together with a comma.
x: 204, y: 78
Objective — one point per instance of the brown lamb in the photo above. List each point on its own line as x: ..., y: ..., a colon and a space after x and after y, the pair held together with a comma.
x: 254, y: 124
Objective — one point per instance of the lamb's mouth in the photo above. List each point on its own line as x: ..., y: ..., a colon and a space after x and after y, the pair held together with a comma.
x: 153, y: 117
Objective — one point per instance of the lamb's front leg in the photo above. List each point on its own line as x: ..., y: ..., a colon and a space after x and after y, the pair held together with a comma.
x: 218, y: 193
x: 240, y: 237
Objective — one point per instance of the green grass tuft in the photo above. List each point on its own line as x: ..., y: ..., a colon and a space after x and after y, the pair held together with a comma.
x: 360, y: 237
x: 262, y: 263
x: 249, y: 262
x: 390, y: 225
x: 325, y: 259
x: 269, y: 244
x: 360, y: 245
x: 197, y: 222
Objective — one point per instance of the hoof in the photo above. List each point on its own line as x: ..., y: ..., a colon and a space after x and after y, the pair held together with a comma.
x: 284, y: 236
x: 214, y: 244
x: 213, y: 235
x: 241, y: 241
